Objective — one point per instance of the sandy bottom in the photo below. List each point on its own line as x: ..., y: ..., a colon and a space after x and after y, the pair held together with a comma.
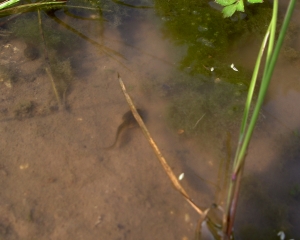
x: 58, y: 183
x: 56, y: 180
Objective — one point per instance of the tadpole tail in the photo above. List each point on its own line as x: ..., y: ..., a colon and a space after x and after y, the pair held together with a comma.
x: 116, y: 137
x: 111, y: 146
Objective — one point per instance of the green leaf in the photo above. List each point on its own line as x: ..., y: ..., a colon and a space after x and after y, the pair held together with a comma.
x: 24, y: 7
x: 228, y: 11
x: 8, y: 3
x: 255, y: 1
x: 225, y: 2
x: 240, y: 6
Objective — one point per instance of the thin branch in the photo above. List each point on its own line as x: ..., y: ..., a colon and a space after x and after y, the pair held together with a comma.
x: 156, y: 150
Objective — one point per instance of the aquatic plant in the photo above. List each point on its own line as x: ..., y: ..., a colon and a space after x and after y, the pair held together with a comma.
x: 248, y: 123
x: 224, y: 230
x: 207, y: 111
x: 8, y: 7
x: 250, y: 115
x: 231, y: 6
x: 7, y: 4
x: 208, y: 38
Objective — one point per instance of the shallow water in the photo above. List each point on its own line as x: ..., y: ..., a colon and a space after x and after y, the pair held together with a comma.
x: 56, y: 180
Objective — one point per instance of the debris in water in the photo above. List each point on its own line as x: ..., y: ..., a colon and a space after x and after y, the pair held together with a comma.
x: 233, y: 67
x: 181, y: 176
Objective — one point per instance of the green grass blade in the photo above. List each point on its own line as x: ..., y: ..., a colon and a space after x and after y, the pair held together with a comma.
x: 270, y: 32
x: 8, y: 3
x: 30, y: 7
x: 252, y: 84
x: 273, y: 31
x: 233, y: 191
x: 264, y: 85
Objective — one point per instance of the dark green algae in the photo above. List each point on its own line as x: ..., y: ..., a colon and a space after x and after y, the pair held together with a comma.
x: 216, y: 95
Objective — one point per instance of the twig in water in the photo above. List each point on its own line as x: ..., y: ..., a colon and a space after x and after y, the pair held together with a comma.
x: 199, y: 120
x: 156, y: 150
x: 54, y: 87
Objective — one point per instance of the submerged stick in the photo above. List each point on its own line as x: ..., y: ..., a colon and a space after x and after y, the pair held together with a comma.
x: 199, y: 121
x: 54, y: 87
x: 159, y: 155
x: 60, y: 100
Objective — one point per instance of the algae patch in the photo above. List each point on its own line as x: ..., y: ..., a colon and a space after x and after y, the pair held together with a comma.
x: 207, y: 108
x: 24, y: 109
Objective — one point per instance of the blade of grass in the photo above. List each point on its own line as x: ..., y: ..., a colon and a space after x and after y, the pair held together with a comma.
x: 269, y: 68
x: 272, y: 56
x: 8, y: 3
x: 251, y: 91
x: 29, y: 7
x: 273, y: 32
x: 226, y: 218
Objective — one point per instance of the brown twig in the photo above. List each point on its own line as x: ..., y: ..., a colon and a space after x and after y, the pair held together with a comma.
x: 156, y: 150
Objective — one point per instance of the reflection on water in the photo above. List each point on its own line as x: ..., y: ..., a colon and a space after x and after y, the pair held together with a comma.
x: 61, y: 103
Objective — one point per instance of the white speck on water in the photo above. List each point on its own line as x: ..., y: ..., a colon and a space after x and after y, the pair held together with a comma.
x: 181, y: 176
x: 233, y: 67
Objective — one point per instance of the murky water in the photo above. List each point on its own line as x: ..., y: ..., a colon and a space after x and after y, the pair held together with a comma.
x: 61, y: 104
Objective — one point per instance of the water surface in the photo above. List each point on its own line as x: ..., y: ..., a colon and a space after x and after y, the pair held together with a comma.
x: 61, y: 103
